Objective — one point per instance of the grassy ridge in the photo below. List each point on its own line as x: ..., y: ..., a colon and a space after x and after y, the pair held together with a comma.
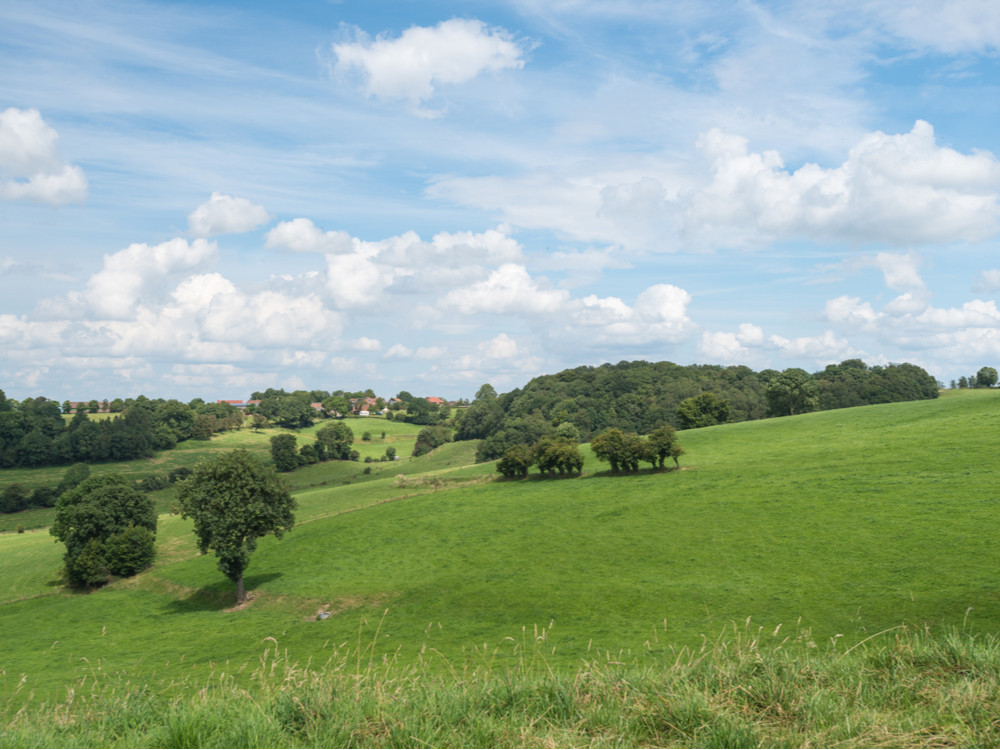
x: 845, y: 522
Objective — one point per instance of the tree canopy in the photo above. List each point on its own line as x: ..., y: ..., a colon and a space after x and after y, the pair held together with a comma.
x: 108, y: 527
x: 235, y: 500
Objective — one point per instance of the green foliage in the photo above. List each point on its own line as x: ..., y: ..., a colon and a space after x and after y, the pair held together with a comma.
x: 430, y: 438
x: 986, y: 377
x: 527, y: 430
x: 291, y: 411
x: 556, y: 454
x: 90, y: 519
x: 516, y: 461
x: 703, y: 410
x: 622, y: 450
x: 284, y: 452
x: 662, y: 444
x: 791, y: 392
x: 334, y: 441
x: 72, y: 477
x: 639, y: 396
x: 235, y: 500
x: 15, y: 497
x: 130, y: 551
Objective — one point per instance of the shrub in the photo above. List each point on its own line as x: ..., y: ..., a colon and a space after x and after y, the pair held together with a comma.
x: 90, y: 516
x: 430, y: 438
x: 14, y: 497
x: 154, y: 482
x: 44, y: 497
x: 131, y: 551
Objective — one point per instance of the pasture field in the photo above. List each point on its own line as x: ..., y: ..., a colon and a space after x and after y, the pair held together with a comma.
x: 187, y: 454
x: 828, y: 527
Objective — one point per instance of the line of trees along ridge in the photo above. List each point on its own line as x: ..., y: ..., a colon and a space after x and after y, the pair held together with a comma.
x: 637, y: 397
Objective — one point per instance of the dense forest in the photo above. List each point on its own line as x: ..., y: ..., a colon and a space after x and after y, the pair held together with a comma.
x: 34, y: 432
x: 640, y: 396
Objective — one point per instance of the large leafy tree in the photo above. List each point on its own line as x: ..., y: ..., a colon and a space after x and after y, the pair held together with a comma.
x: 108, y: 527
x: 334, y: 441
x: 234, y: 500
x: 986, y: 377
x: 791, y: 392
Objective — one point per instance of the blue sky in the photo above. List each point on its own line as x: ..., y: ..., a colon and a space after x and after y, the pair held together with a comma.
x: 207, y: 199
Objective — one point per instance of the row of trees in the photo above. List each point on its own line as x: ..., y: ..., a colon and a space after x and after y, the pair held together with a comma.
x: 34, y: 433
x: 985, y: 378
x: 557, y: 453
x: 333, y: 442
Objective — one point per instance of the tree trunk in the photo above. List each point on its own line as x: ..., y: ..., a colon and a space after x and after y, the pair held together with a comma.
x: 241, y: 593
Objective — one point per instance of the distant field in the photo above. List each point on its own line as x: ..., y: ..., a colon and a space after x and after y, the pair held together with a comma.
x: 833, y: 526
x: 190, y: 452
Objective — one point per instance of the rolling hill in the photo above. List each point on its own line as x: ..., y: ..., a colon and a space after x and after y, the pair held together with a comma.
x: 833, y: 525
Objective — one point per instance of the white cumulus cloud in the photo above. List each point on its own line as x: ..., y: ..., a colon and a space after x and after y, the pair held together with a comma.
x: 892, y: 188
x: 509, y: 288
x: 30, y: 165
x: 224, y: 214
x: 412, y: 66
x: 115, y: 290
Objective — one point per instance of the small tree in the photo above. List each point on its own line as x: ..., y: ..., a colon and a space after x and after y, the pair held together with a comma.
x: 623, y: 450
x: 430, y: 438
x: 516, y: 461
x: 553, y: 453
x: 986, y: 377
x: 234, y: 500
x: 108, y: 527
x: 284, y: 453
x: 335, y: 440
x: 663, y: 443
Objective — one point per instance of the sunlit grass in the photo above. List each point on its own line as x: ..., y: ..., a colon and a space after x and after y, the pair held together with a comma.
x: 841, y: 523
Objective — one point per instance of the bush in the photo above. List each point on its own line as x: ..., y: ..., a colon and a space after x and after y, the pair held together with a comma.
x: 98, y: 521
x: 44, y: 497
x: 14, y: 497
x: 130, y: 552
x: 154, y: 482
x: 430, y: 438
x: 181, y: 472
x: 20, y: 528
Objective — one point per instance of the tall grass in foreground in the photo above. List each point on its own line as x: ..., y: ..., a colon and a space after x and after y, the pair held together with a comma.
x: 901, y: 688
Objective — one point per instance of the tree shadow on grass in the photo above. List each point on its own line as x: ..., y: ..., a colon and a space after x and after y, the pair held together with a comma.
x: 219, y: 596
x: 640, y: 473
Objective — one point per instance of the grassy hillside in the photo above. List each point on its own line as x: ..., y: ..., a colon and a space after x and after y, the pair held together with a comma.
x: 834, y: 526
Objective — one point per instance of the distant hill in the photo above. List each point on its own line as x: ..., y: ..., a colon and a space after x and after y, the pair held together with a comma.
x: 639, y: 396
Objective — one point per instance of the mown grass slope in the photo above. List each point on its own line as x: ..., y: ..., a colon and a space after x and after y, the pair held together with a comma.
x: 839, y: 524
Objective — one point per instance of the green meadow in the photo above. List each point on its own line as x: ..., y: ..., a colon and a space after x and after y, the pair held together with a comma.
x: 826, y: 529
